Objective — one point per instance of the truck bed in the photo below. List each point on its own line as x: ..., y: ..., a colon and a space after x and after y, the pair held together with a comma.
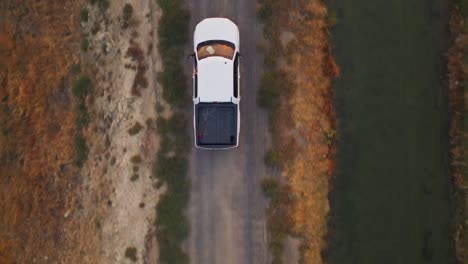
x: 216, y: 125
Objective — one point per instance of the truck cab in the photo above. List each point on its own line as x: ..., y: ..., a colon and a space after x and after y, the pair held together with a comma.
x: 216, y: 80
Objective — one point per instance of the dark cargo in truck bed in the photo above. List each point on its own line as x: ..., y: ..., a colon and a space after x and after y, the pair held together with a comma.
x: 216, y: 125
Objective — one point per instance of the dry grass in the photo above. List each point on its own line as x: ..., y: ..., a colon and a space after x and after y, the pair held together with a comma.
x: 310, y: 67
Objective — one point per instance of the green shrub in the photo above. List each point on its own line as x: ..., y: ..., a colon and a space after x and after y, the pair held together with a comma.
x: 150, y: 123
x: 269, y: 92
x: 127, y: 13
x: 131, y: 253
x: 136, y: 159
x: 172, y: 33
x: 271, y: 188
x: 103, y: 4
x: 82, y: 87
x: 173, y: 27
x: 264, y: 12
x: 273, y: 85
x: 272, y: 158
x: 82, y: 116
x: 137, y: 127
x: 174, y: 133
x: 81, y: 150
x: 84, y: 15
x: 171, y: 126
x: 84, y: 45
x: 174, y: 83
x: 134, y: 177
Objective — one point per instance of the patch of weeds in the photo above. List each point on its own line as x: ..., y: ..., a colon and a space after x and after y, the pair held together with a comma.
x: 82, y: 87
x: 75, y: 69
x: 112, y: 161
x: 158, y: 184
x: 97, y: 224
x: 170, y: 167
x: 265, y: 11
x: 107, y: 141
x: 131, y: 253
x: 137, y: 127
x: 171, y: 125
x: 272, y: 158
x: 279, y: 224
x: 271, y: 188
x: 81, y: 150
x: 103, y: 5
x: 84, y: 15
x: 95, y: 29
x: 82, y: 116
x: 141, y: 205
x: 109, y: 203
x: 174, y: 133
x: 173, y: 33
x: 136, y: 159
x: 127, y: 13
x: 136, y: 169
x: 150, y: 123
x: 273, y: 84
x: 134, y: 177
x: 84, y: 45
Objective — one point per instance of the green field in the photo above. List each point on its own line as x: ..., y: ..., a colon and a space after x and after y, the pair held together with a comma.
x: 391, y: 201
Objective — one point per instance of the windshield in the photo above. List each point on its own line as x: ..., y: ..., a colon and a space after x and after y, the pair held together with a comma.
x: 215, y: 48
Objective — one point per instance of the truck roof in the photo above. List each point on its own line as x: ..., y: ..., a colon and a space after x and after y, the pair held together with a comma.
x: 215, y: 79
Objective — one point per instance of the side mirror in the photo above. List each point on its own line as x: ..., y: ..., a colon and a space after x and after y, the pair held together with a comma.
x: 240, y: 55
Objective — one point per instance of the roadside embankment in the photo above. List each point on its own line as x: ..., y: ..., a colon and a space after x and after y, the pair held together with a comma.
x: 458, y: 103
x: 296, y: 91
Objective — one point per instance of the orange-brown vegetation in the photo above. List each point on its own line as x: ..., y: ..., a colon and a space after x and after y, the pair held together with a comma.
x: 306, y: 141
x: 309, y: 172
x: 458, y: 96
x: 38, y: 45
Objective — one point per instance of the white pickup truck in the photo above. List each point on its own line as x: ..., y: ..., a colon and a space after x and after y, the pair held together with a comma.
x: 216, y: 84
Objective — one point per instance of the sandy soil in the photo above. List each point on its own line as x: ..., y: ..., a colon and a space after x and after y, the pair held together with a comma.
x: 121, y: 208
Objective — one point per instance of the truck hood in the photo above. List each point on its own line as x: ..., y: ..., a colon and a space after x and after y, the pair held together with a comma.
x: 216, y: 29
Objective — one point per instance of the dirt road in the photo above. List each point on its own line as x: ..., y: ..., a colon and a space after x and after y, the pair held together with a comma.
x: 227, y: 207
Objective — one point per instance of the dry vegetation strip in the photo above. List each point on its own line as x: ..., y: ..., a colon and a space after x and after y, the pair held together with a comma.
x: 171, y: 162
x: 297, y: 87
x: 458, y: 96
x: 37, y: 176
